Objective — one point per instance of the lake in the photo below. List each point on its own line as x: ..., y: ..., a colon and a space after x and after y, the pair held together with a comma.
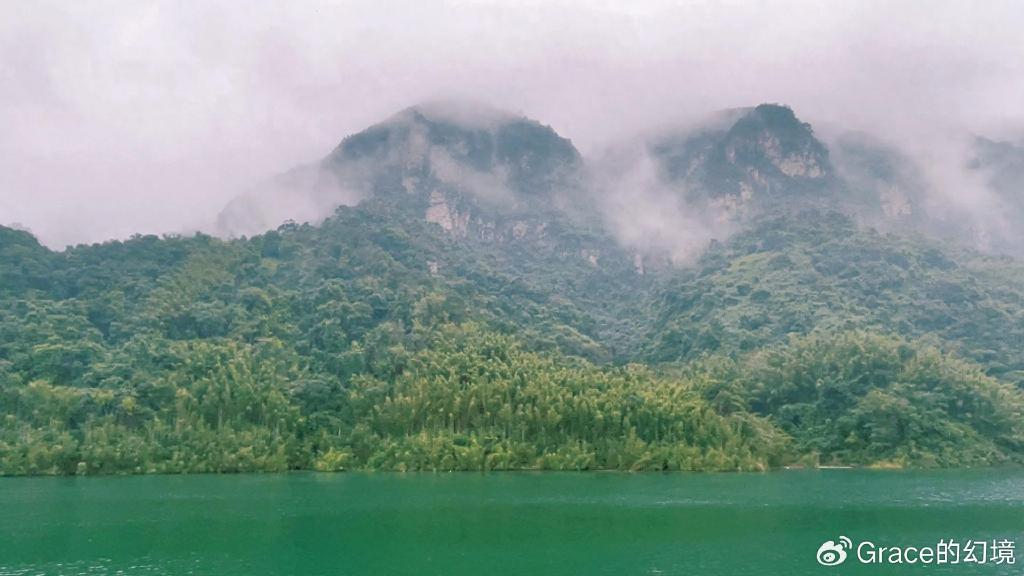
x: 501, y: 523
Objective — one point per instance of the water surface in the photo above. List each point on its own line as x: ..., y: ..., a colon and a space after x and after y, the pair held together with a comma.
x: 514, y: 523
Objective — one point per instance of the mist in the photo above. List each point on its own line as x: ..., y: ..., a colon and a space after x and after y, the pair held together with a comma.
x: 123, y: 118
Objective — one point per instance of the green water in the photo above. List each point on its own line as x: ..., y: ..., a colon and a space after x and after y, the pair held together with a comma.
x: 536, y: 524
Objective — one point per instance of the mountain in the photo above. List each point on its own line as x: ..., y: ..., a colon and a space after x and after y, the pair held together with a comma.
x: 476, y: 308
x: 24, y: 261
x: 1003, y: 161
x: 473, y: 170
x: 999, y: 164
x: 820, y: 272
x: 762, y: 161
x: 883, y: 185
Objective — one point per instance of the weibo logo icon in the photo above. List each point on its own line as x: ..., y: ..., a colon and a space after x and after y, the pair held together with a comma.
x: 832, y: 553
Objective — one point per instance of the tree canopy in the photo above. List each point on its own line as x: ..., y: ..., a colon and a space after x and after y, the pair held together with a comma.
x: 376, y: 340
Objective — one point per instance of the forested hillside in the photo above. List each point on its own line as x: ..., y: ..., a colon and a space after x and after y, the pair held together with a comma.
x: 429, y: 329
x: 820, y: 272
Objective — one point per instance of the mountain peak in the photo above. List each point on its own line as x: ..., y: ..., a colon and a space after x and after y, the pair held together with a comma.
x: 757, y: 158
x: 475, y: 136
x: 470, y: 114
x: 455, y: 162
x: 470, y: 148
x: 771, y: 140
x: 772, y: 114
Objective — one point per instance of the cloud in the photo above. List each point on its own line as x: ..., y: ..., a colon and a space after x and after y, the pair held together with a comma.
x: 648, y: 215
x: 124, y: 117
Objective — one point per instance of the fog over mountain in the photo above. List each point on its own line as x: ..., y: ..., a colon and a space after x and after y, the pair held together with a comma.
x: 530, y: 236
x: 125, y: 118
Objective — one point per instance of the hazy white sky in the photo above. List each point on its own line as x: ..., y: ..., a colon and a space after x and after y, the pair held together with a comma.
x: 123, y: 117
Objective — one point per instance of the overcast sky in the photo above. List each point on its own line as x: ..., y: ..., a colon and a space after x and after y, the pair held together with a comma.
x: 123, y: 117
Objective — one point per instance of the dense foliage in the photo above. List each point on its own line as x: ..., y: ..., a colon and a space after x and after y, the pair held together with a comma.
x: 468, y: 400
x: 860, y: 398
x: 820, y: 272
x: 378, y: 341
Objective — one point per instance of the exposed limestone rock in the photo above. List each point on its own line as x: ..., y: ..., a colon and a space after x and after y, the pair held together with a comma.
x: 803, y: 166
x: 440, y: 213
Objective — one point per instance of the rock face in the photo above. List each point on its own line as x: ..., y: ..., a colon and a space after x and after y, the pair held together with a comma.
x: 474, y: 171
x: 440, y: 213
x: 764, y: 156
x: 486, y: 148
x: 476, y: 175
x: 488, y: 175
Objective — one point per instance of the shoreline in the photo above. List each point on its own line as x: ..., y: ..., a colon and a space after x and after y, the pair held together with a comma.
x: 525, y: 471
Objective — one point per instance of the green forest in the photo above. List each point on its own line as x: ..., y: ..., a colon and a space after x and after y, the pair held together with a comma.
x: 378, y: 341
